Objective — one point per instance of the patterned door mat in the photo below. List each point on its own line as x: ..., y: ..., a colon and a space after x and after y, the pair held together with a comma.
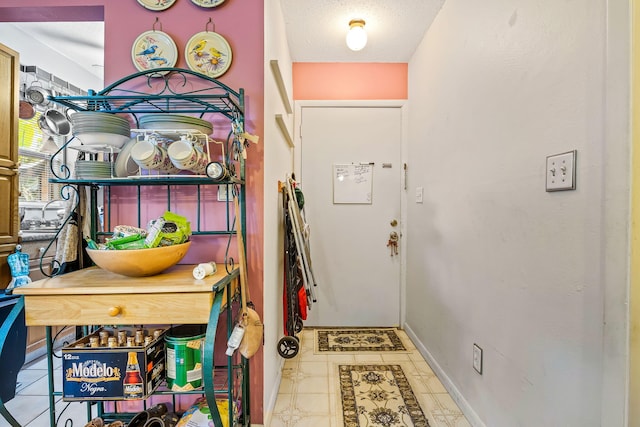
x: 378, y: 395
x: 356, y: 340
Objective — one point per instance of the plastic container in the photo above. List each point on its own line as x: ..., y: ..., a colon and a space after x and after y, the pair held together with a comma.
x: 184, y: 357
x: 235, y: 339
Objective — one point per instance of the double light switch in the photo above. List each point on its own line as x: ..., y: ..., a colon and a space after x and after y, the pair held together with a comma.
x: 561, y: 171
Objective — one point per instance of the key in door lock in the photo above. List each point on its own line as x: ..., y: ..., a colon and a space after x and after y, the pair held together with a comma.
x: 393, y: 243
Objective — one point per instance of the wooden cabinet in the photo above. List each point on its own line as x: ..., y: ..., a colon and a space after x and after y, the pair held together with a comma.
x: 9, y: 105
x: 35, y: 249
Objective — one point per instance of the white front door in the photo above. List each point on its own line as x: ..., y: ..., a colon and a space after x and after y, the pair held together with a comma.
x: 358, y: 278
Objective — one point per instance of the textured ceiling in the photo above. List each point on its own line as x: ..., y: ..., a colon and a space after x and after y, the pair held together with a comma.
x: 316, y: 29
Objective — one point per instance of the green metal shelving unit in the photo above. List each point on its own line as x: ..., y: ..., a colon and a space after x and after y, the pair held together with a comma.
x: 179, y: 91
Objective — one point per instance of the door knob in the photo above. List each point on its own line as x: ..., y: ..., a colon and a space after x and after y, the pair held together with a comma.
x: 394, y: 222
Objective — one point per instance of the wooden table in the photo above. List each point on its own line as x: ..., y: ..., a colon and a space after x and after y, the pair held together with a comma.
x: 94, y: 296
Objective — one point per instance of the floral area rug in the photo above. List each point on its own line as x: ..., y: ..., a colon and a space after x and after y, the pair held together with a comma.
x: 378, y: 395
x: 355, y: 340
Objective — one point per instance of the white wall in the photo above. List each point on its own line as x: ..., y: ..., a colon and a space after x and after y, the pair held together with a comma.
x: 36, y: 52
x: 492, y: 258
x: 277, y: 164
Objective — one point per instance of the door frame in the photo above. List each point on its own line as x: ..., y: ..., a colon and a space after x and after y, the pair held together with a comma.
x: 402, y: 104
x: 633, y: 357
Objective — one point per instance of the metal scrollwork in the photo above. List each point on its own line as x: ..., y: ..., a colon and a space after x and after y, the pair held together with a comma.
x: 58, y: 165
x: 171, y: 93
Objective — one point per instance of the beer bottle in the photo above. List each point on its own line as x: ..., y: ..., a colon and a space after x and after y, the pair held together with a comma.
x: 139, y: 338
x: 132, y: 384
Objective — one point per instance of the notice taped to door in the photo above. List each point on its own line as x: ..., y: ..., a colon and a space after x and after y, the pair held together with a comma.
x: 353, y: 183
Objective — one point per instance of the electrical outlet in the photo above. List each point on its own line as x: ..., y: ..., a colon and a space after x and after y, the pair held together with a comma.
x: 561, y: 171
x: 477, y: 358
x: 223, y: 193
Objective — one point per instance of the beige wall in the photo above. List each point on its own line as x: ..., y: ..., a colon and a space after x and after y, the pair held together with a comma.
x: 537, y: 279
x: 278, y: 162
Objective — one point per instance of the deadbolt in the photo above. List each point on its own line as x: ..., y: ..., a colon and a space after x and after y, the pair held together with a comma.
x: 394, y: 223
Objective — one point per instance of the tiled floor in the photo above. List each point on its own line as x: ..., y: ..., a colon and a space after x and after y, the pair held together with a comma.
x: 309, y: 394
x: 30, y: 407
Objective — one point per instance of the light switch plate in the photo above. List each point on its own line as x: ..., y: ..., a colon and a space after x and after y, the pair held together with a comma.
x: 477, y: 358
x: 561, y: 171
x: 419, y: 193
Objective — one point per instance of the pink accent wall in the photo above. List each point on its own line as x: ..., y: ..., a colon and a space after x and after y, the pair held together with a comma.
x: 241, y: 22
x: 341, y: 80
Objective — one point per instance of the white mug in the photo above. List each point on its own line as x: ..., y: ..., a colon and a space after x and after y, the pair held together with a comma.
x: 148, y: 155
x: 201, y: 164
x: 185, y: 156
x: 167, y: 166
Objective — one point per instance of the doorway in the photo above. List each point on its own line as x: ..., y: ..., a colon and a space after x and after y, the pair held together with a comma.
x: 66, y: 55
x: 358, y: 272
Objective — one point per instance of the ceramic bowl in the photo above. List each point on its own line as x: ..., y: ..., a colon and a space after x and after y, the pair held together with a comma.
x: 102, y: 139
x: 139, y: 262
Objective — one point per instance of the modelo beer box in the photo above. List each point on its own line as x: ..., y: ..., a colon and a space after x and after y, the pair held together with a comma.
x: 114, y: 364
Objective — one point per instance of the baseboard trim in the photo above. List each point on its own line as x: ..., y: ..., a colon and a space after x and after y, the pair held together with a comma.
x: 271, y: 404
x: 455, y: 394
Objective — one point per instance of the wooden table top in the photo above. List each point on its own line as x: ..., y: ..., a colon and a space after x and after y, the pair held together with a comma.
x: 94, y: 281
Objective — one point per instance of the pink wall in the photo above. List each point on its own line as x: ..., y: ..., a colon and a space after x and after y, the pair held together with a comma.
x: 241, y: 22
x: 340, y: 80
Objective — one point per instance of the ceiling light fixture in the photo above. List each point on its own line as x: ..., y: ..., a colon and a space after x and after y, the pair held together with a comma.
x: 357, y: 36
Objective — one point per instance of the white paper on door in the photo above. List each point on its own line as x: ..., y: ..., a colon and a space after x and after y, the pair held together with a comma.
x: 353, y: 183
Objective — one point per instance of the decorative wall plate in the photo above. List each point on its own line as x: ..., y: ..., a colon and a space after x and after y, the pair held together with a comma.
x: 156, y: 4
x: 208, y: 3
x: 154, y: 49
x: 208, y: 53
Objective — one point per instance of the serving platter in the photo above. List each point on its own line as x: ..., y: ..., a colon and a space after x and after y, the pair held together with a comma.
x: 208, y: 53
x: 154, y: 49
x: 208, y: 3
x: 125, y: 166
x: 171, y: 124
x: 156, y: 5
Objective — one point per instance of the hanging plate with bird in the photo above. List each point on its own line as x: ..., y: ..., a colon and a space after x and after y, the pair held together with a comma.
x: 208, y: 3
x: 157, y: 4
x: 208, y: 53
x: 154, y: 49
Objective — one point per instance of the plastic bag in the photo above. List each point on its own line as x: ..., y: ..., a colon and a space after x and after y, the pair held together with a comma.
x: 199, y: 415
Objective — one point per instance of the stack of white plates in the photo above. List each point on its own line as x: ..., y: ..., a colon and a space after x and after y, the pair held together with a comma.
x: 175, y: 122
x: 93, y: 169
x: 96, y: 128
